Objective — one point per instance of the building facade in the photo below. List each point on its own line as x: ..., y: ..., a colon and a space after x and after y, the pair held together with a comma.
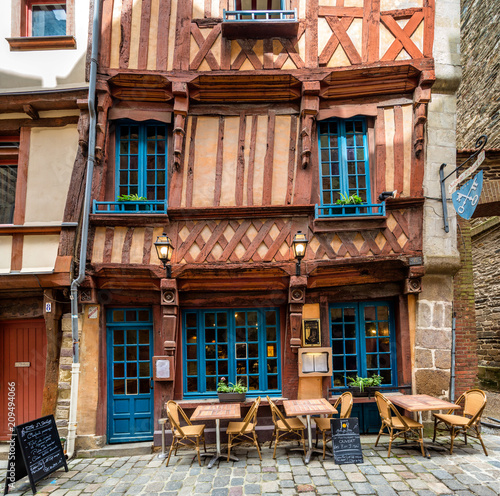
x: 231, y: 126
x: 42, y: 142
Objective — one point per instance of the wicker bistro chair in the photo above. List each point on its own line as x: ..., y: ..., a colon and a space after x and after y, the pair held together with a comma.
x: 396, y: 423
x: 286, y: 426
x: 240, y: 432
x: 474, y: 402
x: 323, y: 423
x: 184, y: 435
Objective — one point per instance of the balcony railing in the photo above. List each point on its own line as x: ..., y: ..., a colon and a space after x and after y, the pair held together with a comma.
x: 260, y: 15
x: 361, y: 210
x: 129, y: 207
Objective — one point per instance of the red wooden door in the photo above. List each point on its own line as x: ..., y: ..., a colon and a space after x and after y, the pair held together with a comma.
x: 23, y: 350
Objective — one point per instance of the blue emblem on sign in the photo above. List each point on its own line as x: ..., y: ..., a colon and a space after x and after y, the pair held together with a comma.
x: 466, y: 198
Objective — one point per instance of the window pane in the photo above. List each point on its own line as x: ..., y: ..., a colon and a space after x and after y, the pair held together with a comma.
x: 119, y: 370
x: 8, y: 179
x: 48, y: 20
x: 272, y: 382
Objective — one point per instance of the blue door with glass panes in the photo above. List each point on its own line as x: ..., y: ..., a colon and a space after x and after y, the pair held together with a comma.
x: 130, y: 388
x: 363, y: 342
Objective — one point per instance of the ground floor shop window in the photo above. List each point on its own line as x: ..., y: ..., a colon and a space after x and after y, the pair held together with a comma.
x: 363, y: 342
x: 234, y: 344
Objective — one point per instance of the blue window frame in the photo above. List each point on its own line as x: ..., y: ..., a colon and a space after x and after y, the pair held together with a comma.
x: 344, y: 168
x: 235, y: 344
x: 141, y: 169
x: 363, y: 342
x: 259, y: 11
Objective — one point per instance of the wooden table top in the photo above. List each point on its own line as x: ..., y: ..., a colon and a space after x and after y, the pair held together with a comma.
x: 217, y: 411
x: 294, y: 408
x: 422, y: 403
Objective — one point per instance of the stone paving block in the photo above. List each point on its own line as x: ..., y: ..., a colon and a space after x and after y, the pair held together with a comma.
x: 326, y: 490
x: 321, y: 481
x: 287, y: 483
x: 355, y: 477
x: 302, y: 479
x: 342, y: 486
x: 482, y: 490
x: 384, y: 491
x: 363, y: 488
x: 202, y: 488
x: 270, y: 487
x: 252, y: 489
x: 236, y: 491
x: 222, y: 491
x: 253, y: 478
x: 223, y: 481
x: 237, y: 481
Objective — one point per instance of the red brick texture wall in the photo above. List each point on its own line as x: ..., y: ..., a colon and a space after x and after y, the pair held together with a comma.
x: 464, y: 306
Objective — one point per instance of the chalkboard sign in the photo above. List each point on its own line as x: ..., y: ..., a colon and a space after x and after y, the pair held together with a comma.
x: 345, y: 441
x: 35, y: 451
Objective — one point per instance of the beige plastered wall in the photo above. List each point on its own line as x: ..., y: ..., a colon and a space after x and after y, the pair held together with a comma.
x: 29, y: 70
x: 52, y: 156
x: 88, y: 394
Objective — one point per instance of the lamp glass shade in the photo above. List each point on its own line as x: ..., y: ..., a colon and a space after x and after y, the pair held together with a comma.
x: 299, y: 245
x: 164, y: 248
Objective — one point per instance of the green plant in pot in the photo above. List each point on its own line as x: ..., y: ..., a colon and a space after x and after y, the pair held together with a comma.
x: 363, y: 386
x: 349, y: 200
x: 132, y: 198
x: 228, y: 392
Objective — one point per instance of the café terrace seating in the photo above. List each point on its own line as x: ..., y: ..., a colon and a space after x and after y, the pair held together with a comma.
x: 395, y: 423
x: 474, y: 402
x: 323, y: 423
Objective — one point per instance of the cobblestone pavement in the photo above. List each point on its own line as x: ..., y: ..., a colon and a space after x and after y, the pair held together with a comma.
x: 467, y: 472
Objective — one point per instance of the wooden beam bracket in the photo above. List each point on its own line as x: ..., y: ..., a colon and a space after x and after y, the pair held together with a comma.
x: 309, y: 109
x: 181, y: 107
x: 296, y: 300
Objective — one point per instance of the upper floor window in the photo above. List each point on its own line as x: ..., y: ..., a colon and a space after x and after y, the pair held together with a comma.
x: 9, y: 148
x: 363, y: 342
x: 42, y: 25
x: 141, y: 169
x: 344, y: 169
x: 46, y: 18
x: 259, y: 19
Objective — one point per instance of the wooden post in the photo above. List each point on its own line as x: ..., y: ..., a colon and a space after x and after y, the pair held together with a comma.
x: 52, y: 314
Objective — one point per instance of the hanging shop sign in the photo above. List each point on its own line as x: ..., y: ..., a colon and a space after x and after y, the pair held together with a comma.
x: 466, y: 198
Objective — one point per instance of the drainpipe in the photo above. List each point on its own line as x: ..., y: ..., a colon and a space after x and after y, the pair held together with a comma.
x: 75, y: 368
x: 452, y: 379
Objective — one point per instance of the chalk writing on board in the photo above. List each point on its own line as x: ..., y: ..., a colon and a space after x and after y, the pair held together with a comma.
x: 346, y: 442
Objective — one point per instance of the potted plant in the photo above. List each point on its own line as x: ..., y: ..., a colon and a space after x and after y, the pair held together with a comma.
x: 349, y: 200
x: 132, y: 198
x: 228, y: 392
x: 364, y: 386
x: 373, y: 384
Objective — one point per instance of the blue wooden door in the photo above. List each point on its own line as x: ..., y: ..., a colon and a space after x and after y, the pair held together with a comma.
x: 130, y: 385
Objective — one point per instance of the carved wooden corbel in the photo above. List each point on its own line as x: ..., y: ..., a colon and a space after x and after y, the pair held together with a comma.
x: 309, y: 109
x: 421, y: 98
x: 104, y: 102
x: 296, y: 300
x: 170, y: 309
x: 181, y: 107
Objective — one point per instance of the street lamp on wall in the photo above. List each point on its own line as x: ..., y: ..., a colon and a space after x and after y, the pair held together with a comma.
x: 164, y: 250
x: 299, y: 245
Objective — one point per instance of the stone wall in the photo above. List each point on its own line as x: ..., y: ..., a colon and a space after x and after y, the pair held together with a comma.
x: 486, y: 263
x: 64, y: 391
x: 465, y: 315
x: 431, y: 373
x: 479, y: 107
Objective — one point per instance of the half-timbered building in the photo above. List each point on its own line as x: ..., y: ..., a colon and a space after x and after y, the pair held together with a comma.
x: 42, y: 140
x: 231, y: 126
